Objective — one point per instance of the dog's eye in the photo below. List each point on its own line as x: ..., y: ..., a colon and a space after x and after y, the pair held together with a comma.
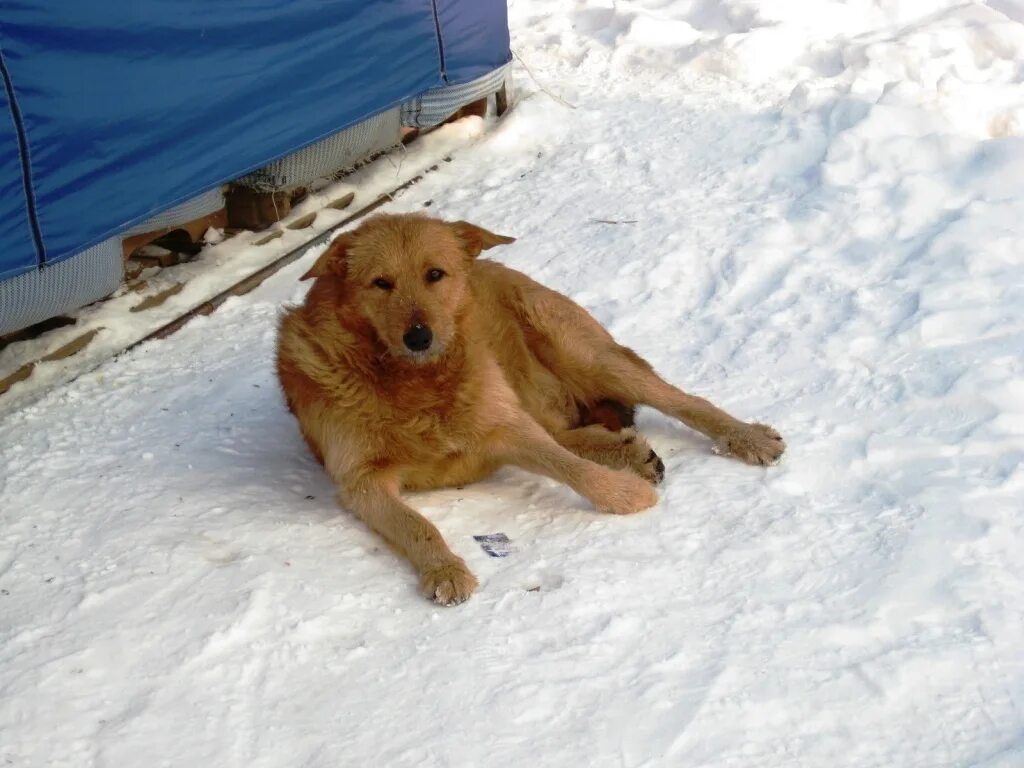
x: 384, y: 285
x: 434, y: 275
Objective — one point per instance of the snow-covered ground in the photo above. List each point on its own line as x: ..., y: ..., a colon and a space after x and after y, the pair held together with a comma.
x: 820, y: 224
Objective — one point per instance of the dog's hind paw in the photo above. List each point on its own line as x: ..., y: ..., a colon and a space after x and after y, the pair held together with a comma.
x: 649, y: 466
x: 641, y: 458
x: 752, y: 443
x: 653, y: 469
x: 448, y: 584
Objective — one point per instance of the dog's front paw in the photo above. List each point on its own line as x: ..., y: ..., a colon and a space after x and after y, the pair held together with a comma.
x: 448, y: 584
x: 623, y: 493
x: 752, y: 443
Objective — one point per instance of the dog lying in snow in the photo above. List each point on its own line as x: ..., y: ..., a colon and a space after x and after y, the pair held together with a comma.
x: 413, y: 364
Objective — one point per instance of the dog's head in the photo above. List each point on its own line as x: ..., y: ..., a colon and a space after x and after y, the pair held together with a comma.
x: 407, y: 277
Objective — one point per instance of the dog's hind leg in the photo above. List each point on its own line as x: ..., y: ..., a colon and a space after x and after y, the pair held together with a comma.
x: 622, y: 449
x: 582, y: 354
x: 624, y: 375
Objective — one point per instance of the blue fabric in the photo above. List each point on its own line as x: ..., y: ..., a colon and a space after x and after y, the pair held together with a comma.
x: 17, y: 249
x: 130, y: 108
x: 474, y: 34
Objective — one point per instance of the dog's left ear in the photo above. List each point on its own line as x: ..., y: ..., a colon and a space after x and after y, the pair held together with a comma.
x: 331, y: 261
x: 475, y: 239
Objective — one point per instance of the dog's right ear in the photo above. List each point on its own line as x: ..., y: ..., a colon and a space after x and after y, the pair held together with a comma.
x: 331, y: 261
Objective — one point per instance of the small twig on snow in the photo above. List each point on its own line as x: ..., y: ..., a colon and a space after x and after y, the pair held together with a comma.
x: 537, y: 82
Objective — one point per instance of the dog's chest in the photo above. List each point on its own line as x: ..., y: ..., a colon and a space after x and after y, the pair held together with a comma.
x: 424, y: 422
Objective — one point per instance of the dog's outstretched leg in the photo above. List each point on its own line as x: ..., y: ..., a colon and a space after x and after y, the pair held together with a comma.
x: 629, y: 377
x: 444, y: 576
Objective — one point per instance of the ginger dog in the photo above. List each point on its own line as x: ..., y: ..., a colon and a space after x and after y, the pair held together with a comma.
x: 413, y: 364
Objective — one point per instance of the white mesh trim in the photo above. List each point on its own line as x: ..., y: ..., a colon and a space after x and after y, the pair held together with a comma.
x: 437, y: 105
x: 67, y: 285
x: 342, y: 151
x: 201, y: 205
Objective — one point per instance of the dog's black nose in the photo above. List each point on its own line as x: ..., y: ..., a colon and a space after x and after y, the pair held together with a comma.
x: 418, y: 337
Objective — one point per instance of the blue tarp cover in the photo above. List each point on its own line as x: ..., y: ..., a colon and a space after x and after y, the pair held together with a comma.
x: 127, y: 109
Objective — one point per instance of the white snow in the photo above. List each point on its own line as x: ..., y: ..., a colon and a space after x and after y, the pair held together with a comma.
x: 828, y: 207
